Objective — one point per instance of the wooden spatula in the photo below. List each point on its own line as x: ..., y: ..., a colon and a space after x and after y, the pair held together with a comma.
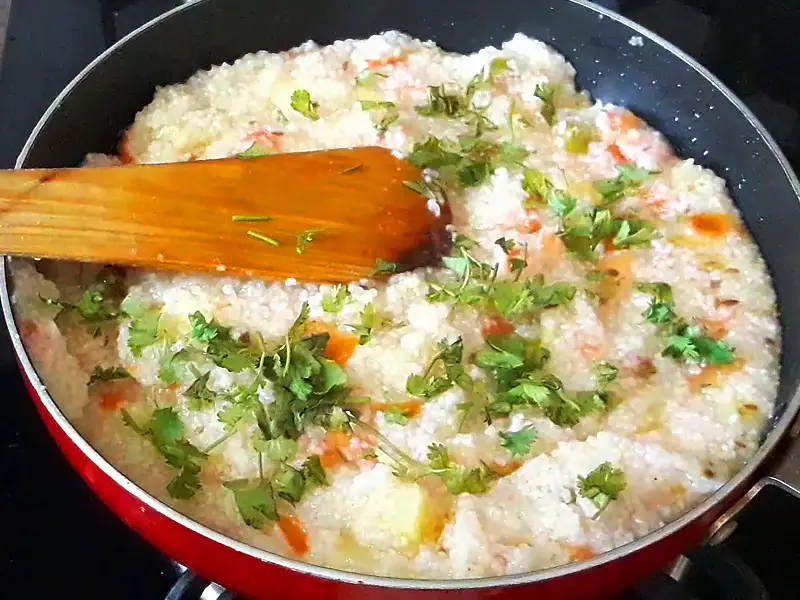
x: 239, y: 216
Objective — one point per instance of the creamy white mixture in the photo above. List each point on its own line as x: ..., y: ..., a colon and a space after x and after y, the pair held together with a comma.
x: 671, y: 393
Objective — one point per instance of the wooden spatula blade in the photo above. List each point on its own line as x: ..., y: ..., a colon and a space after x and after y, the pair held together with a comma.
x: 181, y: 216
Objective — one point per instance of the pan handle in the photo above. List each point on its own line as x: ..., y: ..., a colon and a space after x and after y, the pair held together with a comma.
x: 783, y: 474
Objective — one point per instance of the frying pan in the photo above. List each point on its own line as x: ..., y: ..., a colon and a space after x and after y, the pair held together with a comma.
x: 695, y: 111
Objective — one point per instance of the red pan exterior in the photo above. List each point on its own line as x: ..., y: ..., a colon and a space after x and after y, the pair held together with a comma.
x: 257, y: 579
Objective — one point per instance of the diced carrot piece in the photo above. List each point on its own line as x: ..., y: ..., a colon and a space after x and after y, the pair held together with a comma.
x: 331, y: 458
x: 495, y: 325
x: 504, y: 470
x: 711, y: 376
x: 577, y: 553
x: 614, y: 150
x: 124, y: 153
x: 712, y: 225
x: 532, y: 223
x: 341, y: 346
x: 591, y: 351
x: 295, y: 534
x: 389, y: 61
x: 716, y: 328
x: 112, y: 400
x: 623, y: 122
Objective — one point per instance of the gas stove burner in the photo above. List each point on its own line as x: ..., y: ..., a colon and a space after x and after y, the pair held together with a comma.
x: 710, y: 573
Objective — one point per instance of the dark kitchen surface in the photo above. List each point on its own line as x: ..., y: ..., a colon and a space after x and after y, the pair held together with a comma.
x: 57, y: 540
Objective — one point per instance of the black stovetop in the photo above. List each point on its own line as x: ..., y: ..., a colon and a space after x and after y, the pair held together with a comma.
x: 58, y: 540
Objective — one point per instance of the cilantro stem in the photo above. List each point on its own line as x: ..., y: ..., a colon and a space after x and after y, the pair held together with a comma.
x: 260, y: 465
x: 351, y: 170
x: 250, y: 219
x: 263, y: 238
x: 219, y: 441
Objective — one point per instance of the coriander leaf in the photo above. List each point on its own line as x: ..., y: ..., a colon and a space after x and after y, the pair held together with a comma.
x: 383, y: 267
x: 474, y: 173
x: 560, y: 202
x: 143, y: 330
x: 333, y: 303
x: 714, y: 352
x: 395, y: 416
x: 628, y: 180
x: 442, y: 103
x: 199, y: 395
x: 518, y: 443
x: 223, y: 350
x: 256, y: 150
x: 299, y: 326
x: 314, y: 473
x: 661, y: 292
x: 165, y: 431
x: 659, y: 313
x: 498, y: 66
x: 202, y: 330
x: 634, y: 234
x: 605, y: 373
x: 432, y: 154
x: 458, y: 479
x: 255, y: 501
x: 683, y: 348
x: 108, y: 374
x: 536, y: 185
x: 390, y: 115
x: 305, y: 238
x: 172, y: 367
x: 289, y: 484
x: 302, y: 103
x: 506, y: 244
x: 546, y: 92
x: 369, y: 321
x: 601, y: 485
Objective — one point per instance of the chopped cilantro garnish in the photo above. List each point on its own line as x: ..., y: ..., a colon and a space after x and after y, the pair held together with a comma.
x: 370, y: 322
x: 458, y: 479
x: 444, y: 103
x: 250, y: 219
x: 263, y: 238
x: 605, y: 373
x: 390, y: 113
x: 223, y: 350
x: 305, y: 238
x: 518, y: 443
x: 173, y: 365
x: 384, y: 267
x: 601, y: 485
x: 199, y: 395
x: 302, y: 103
x: 685, y: 343
x: 629, y: 179
x: 537, y: 187
x: 498, y: 66
x: 546, y: 92
x: 442, y: 372
x: 143, y: 330
x: 256, y: 150
x: 166, y: 432
x: 108, y: 374
x: 333, y: 303
x: 517, y: 366
x: 255, y: 501
x: 396, y: 416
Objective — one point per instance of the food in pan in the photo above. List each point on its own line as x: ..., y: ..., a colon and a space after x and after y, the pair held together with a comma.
x: 597, y: 355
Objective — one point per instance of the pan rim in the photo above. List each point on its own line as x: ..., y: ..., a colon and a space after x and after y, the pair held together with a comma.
x: 769, y: 443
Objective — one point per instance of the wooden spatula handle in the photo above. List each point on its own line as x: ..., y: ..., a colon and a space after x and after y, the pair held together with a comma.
x: 180, y: 216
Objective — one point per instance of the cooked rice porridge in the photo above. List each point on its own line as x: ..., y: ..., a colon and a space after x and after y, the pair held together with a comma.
x: 598, y: 354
